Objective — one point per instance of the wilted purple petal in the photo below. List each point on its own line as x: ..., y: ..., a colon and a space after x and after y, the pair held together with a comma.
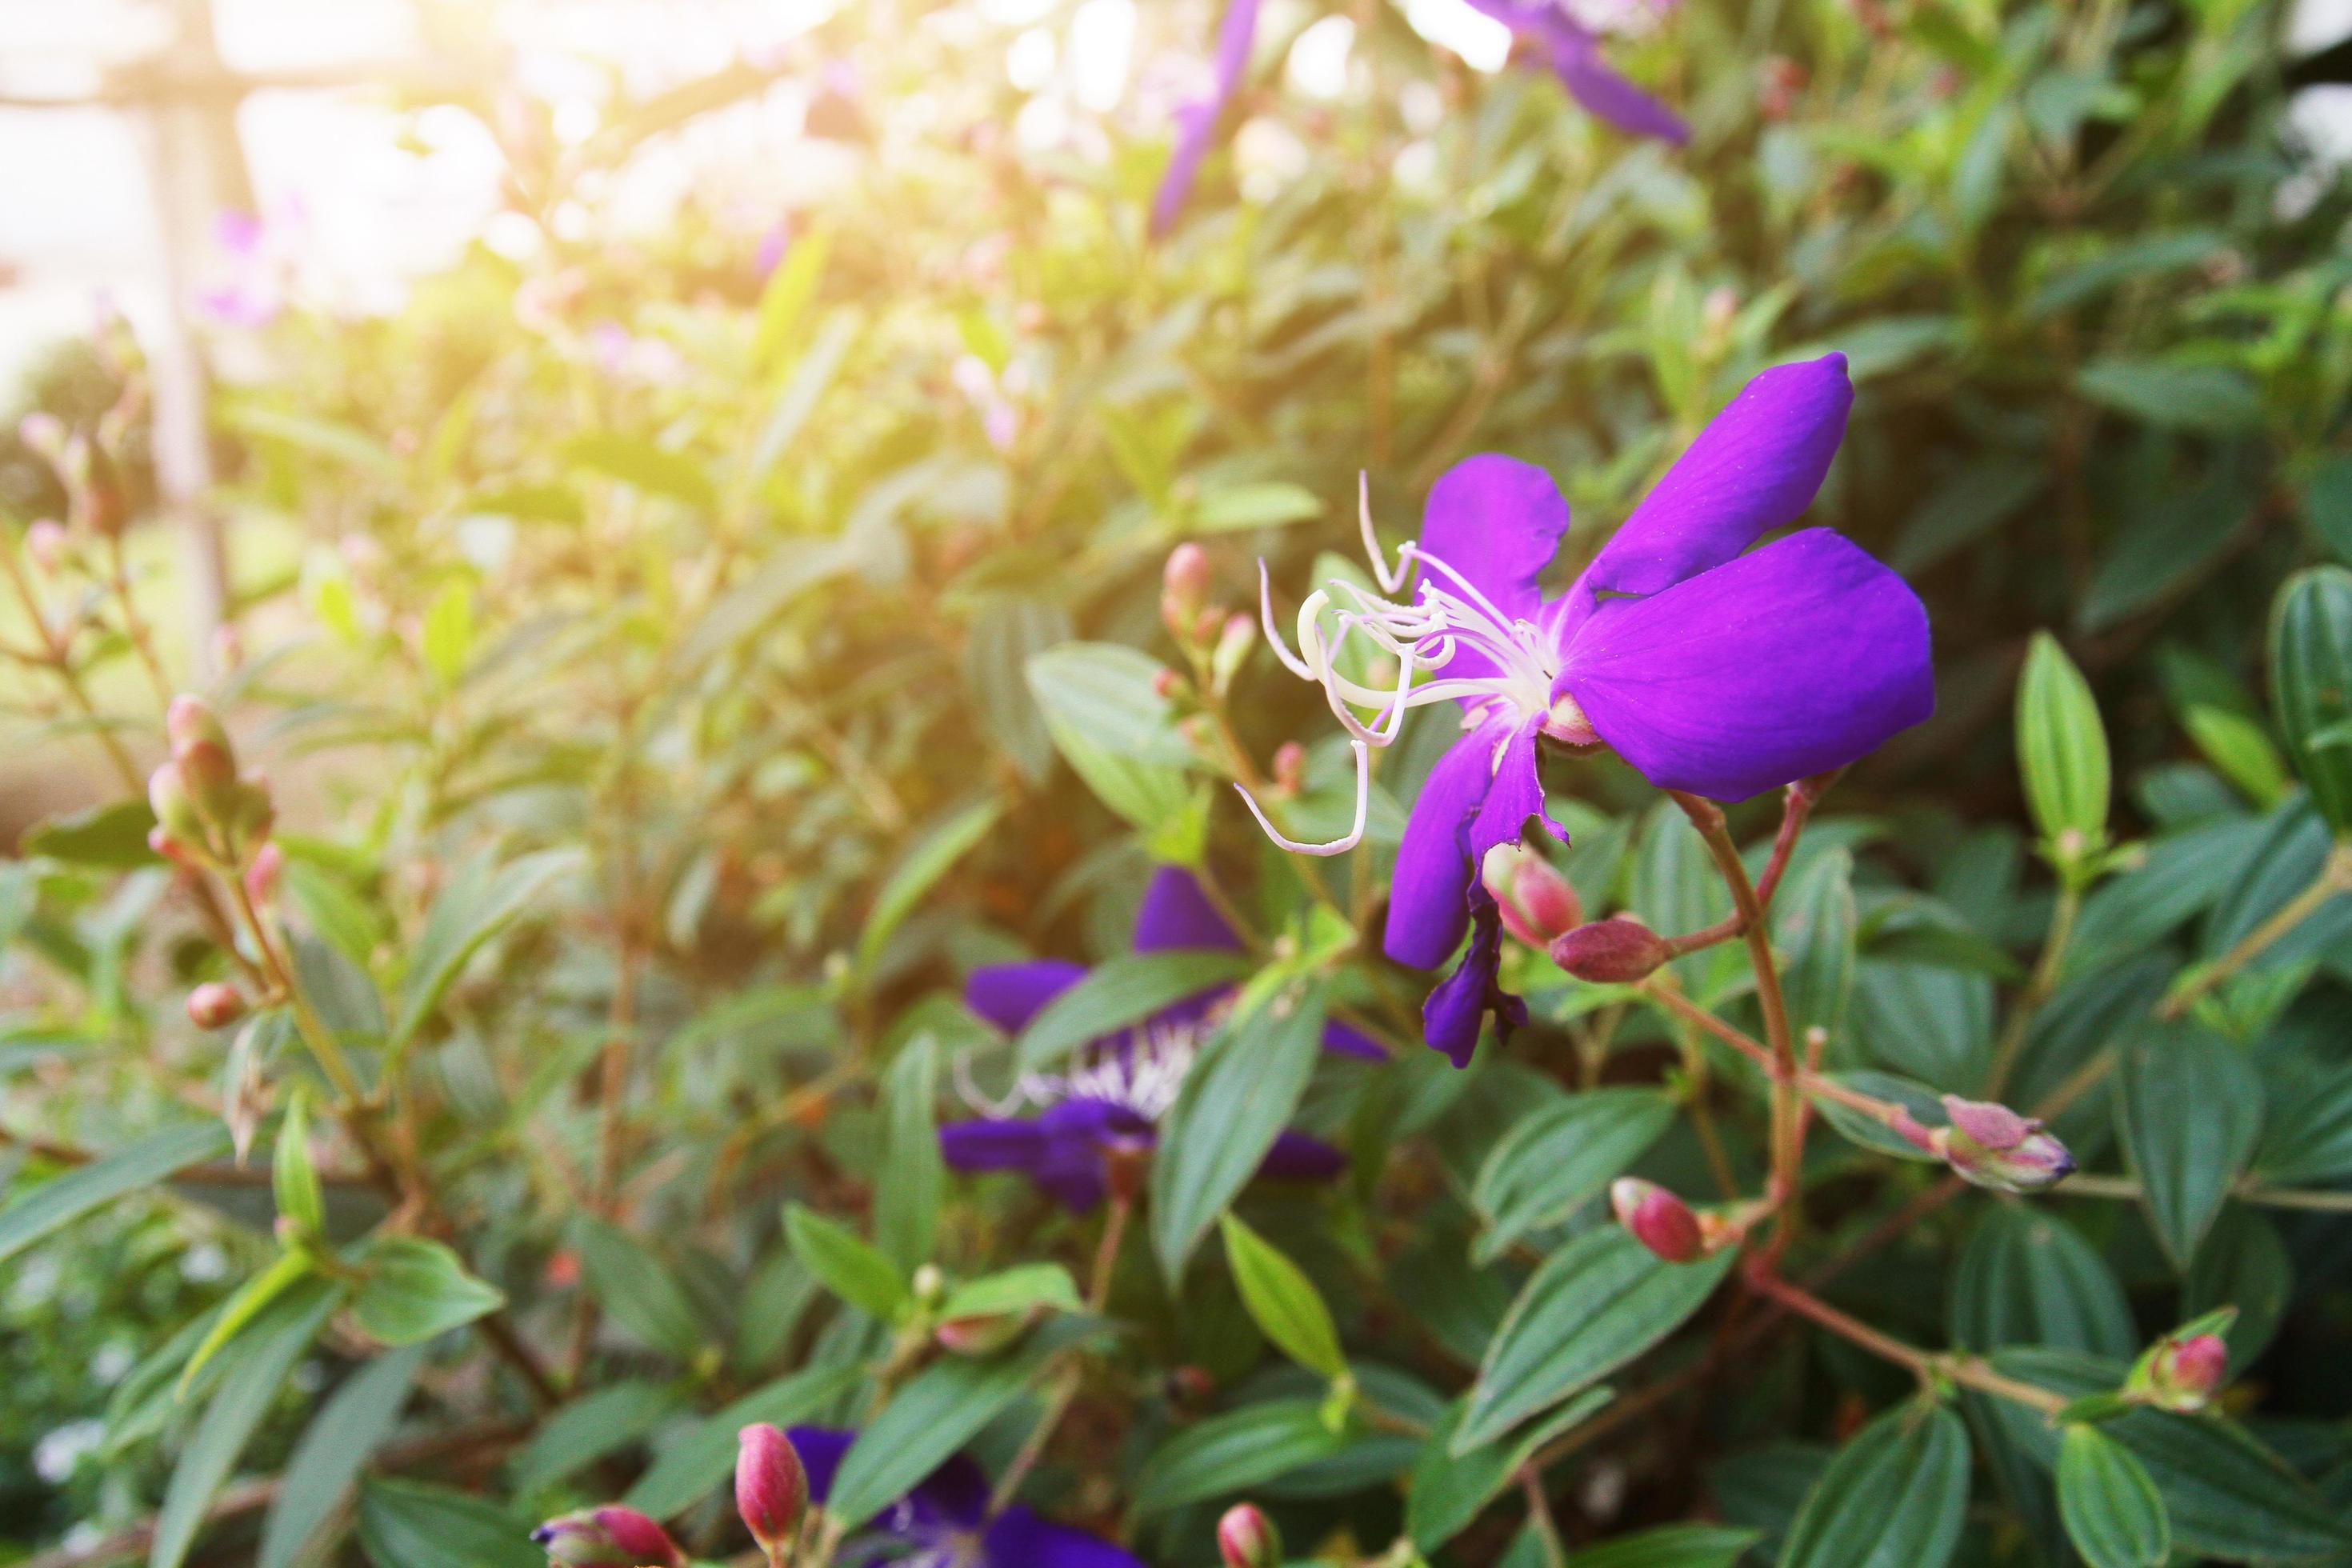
x: 1792, y: 660
x: 1301, y: 1157
x: 1755, y: 468
x: 1009, y: 994
x: 1196, y: 123
x: 1427, y: 913
x: 1018, y: 1539
x: 1177, y: 914
x: 1451, y: 1018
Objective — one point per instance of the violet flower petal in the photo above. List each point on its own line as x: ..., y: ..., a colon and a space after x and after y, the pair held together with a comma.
x: 1597, y: 85
x: 821, y: 1449
x: 1177, y: 914
x: 992, y: 1143
x: 1427, y: 915
x: 1010, y: 995
x: 1350, y: 1041
x: 1498, y: 523
x: 1020, y: 1539
x: 1790, y: 661
x: 1457, y: 1007
x: 1196, y: 123
x: 1301, y: 1157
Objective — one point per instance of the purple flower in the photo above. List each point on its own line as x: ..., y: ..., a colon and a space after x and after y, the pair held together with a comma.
x: 1709, y: 669
x: 1113, y: 1096
x: 944, y: 1522
x: 1196, y: 123
x: 1573, y: 50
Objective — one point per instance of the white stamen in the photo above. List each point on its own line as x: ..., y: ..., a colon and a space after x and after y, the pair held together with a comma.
x: 1141, y: 1071
x: 1340, y: 846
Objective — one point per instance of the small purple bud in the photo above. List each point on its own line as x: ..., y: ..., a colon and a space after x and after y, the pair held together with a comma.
x: 607, y: 1537
x: 1993, y: 1146
x: 772, y: 1487
x: 1620, y: 949
x: 1248, y: 1539
x: 1658, y: 1219
x: 1540, y: 905
x: 216, y: 1005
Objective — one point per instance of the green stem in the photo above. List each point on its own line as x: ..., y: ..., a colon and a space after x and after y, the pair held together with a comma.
x: 2335, y: 876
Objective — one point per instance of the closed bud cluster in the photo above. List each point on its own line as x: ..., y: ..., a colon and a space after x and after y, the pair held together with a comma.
x: 216, y: 1005
x: 1540, y: 905
x: 204, y: 811
x: 608, y: 1537
x: 1185, y: 590
x: 772, y: 1487
x: 1248, y: 1539
x: 1658, y: 1219
x: 1619, y: 950
x: 2181, y: 1371
x: 1992, y: 1146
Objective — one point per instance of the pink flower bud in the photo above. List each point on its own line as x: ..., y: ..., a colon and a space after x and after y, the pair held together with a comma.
x: 216, y: 1005
x: 1658, y: 1219
x: 2182, y: 1374
x: 772, y: 1487
x: 1248, y: 1539
x: 1540, y: 905
x: 983, y: 1333
x: 1165, y: 683
x: 1185, y: 588
x: 1233, y: 644
x: 1289, y: 767
x: 1620, y: 949
x: 1994, y: 1147
x: 175, y: 814
x: 261, y: 877
x: 191, y: 719
x: 608, y: 1537
x: 45, y: 541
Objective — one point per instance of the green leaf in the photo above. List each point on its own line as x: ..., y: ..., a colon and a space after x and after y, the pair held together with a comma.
x: 1007, y: 630
x: 1233, y: 1103
x: 638, y: 1289
x: 61, y: 1200
x: 408, y: 1525
x: 1233, y: 1451
x: 2112, y: 1510
x: 113, y: 837
x: 2310, y: 684
x: 923, y: 1424
x: 1856, y: 1127
x: 784, y: 302
x: 1559, y: 1157
x: 1448, y: 1489
x: 690, y: 1467
x: 2214, y: 398
x: 1228, y: 508
x: 334, y: 1447
x: 1105, y: 693
x: 913, y: 1180
x: 244, y: 1395
x: 1121, y: 992
x: 2062, y: 753
x: 638, y: 462
x: 2029, y: 1278
x: 2189, y: 1112
x: 293, y: 1179
x: 448, y: 639
x: 1593, y: 1306
x: 1671, y: 1546
x: 1815, y: 922
x: 856, y: 1273
x: 1015, y: 1290
x: 416, y: 1288
x: 1894, y: 1496
x: 1282, y: 1300
x: 920, y: 871
x: 476, y: 906
x: 596, y: 1424
x: 252, y: 1299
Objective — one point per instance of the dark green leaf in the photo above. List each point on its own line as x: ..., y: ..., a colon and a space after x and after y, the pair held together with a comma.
x: 588, y: 1429
x: 2188, y: 1112
x: 1894, y: 1497
x: 1233, y: 1451
x: 913, y: 1180
x: 690, y: 1467
x: 335, y: 1446
x: 915, y: 875
x: 1670, y: 1546
x: 638, y: 1288
x: 112, y: 836
x: 1559, y: 1157
x: 1282, y: 1300
x: 476, y: 906
x: 850, y: 1267
x: 63, y: 1199
x: 1449, y: 1490
x: 415, y: 1288
x: 2029, y: 1278
x: 2112, y: 1510
x: 2311, y: 683
x: 409, y: 1525
x: 923, y: 1424
x: 1121, y: 992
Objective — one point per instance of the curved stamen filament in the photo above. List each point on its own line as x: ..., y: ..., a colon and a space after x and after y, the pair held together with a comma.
x: 1340, y: 845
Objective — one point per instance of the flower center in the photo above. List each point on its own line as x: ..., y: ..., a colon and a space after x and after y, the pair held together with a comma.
x: 1140, y: 1070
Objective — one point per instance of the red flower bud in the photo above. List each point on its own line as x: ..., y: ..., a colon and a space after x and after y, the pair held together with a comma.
x: 216, y: 1005
x: 772, y: 1487
x: 1619, y: 948
x: 608, y: 1537
x: 1248, y: 1539
x: 1658, y: 1219
x: 2182, y: 1374
x: 1289, y: 767
x: 1540, y: 905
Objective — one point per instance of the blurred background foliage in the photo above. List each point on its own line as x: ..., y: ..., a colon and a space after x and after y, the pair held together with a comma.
x: 642, y: 633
